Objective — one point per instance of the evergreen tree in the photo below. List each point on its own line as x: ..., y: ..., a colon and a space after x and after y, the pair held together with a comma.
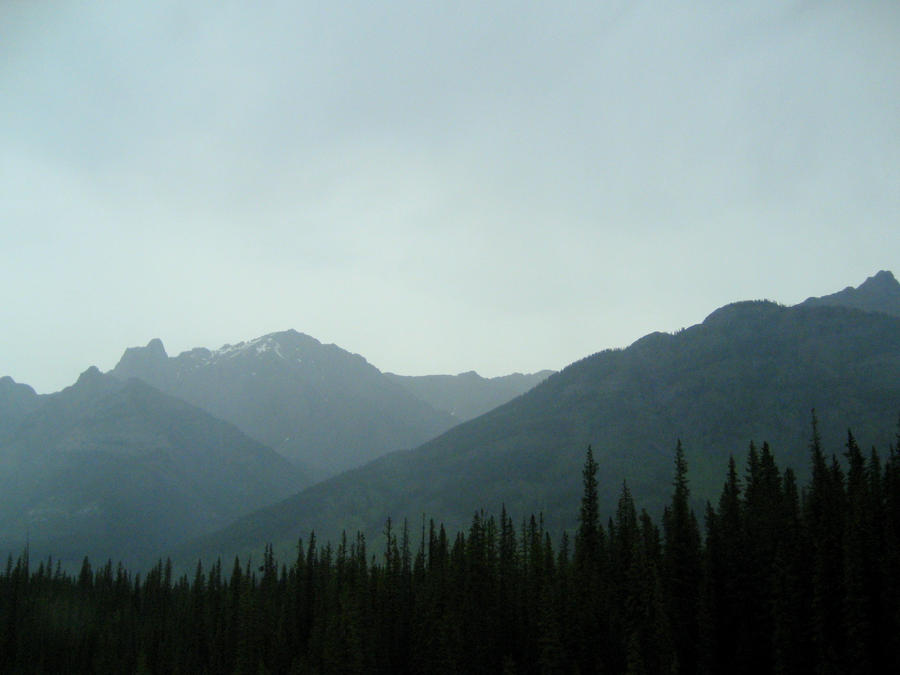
x: 682, y: 570
x: 824, y: 516
x: 723, y: 589
x: 591, y: 636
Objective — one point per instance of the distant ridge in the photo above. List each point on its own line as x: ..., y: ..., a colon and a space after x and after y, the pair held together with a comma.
x: 878, y: 293
x: 468, y: 395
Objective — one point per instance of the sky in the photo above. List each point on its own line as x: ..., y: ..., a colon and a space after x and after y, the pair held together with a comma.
x: 437, y: 186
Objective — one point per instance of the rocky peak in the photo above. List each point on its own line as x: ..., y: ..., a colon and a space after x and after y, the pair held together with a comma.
x: 881, y: 282
x: 146, y: 363
x: 89, y: 376
x: 10, y: 390
x: 878, y: 293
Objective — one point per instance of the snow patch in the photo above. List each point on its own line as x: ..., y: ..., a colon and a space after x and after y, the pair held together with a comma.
x: 260, y: 345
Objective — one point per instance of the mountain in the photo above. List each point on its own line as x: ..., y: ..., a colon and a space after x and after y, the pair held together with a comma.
x: 468, y: 395
x: 323, y: 408
x: 750, y: 371
x: 17, y: 400
x: 117, y: 469
x: 878, y: 293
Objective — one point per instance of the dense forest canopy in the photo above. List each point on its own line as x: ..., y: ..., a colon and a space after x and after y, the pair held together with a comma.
x: 775, y: 579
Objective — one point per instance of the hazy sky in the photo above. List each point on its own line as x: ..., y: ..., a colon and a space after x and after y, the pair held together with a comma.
x: 438, y: 186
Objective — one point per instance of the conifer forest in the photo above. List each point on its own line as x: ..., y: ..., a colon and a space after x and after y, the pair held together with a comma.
x: 772, y: 578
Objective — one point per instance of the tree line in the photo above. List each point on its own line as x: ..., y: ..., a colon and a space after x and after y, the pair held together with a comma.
x: 778, y: 580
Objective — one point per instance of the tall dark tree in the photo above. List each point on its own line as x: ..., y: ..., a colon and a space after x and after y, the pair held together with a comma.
x: 682, y: 570
x: 591, y: 637
x: 824, y: 516
x: 792, y: 650
x: 724, y: 588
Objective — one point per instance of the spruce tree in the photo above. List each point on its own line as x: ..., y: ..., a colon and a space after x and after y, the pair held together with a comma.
x: 591, y: 639
x: 824, y: 517
x: 682, y: 569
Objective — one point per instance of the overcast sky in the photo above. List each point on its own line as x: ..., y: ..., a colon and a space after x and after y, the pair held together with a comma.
x: 497, y: 186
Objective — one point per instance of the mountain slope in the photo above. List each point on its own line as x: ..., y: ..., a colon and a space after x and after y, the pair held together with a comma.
x: 118, y: 469
x: 878, y: 293
x: 16, y: 402
x: 321, y: 407
x: 751, y: 370
x: 468, y: 395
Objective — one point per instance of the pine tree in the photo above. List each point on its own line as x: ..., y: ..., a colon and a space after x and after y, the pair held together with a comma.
x: 763, y: 520
x: 682, y: 570
x: 792, y: 591
x: 723, y: 588
x: 590, y: 636
x: 824, y: 516
x: 863, y: 543
x: 587, y: 542
x: 890, y: 592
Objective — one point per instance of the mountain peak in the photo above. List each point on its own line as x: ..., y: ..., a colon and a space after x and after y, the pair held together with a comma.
x: 92, y: 374
x: 743, y: 310
x: 878, y: 293
x: 282, y: 344
x: 91, y: 382
x: 146, y: 363
x: 8, y: 386
x: 156, y: 348
x: 882, y: 281
x: 289, y: 336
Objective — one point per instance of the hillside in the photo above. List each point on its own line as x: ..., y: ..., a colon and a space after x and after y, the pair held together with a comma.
x: 17, y: 400
x: 319, y: 406
x: 111, y: 468
x: 750, y: 371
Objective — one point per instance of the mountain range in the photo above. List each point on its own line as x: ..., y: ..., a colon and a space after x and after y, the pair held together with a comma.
x: 752, y: 371
x: 162, y: 449
x: 217, y: 452
x: 321, y: 407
